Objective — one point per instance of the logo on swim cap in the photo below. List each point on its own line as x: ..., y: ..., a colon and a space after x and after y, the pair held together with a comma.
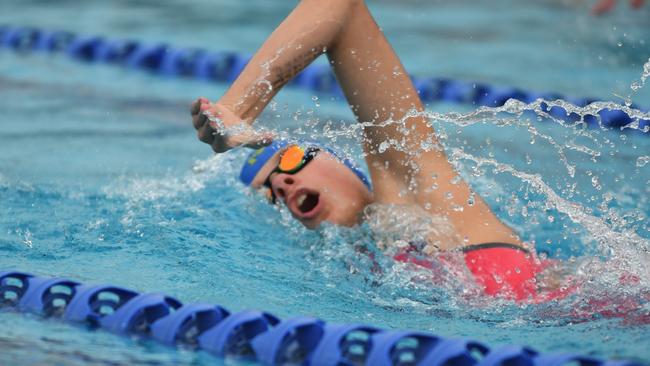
x: 256, y: 160
x: 252, y: 158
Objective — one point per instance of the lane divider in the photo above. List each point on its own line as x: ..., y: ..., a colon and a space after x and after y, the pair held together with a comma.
x: 169, y: 61
x: 257, y: 335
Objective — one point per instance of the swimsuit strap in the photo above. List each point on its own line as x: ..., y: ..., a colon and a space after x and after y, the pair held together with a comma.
x: 473, y: 247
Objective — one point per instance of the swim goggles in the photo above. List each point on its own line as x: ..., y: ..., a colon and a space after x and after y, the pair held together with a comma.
x: 258, y: 158
x: 292, y: 159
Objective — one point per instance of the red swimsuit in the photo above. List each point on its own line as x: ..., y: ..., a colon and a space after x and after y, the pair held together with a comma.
x: 504, y: 270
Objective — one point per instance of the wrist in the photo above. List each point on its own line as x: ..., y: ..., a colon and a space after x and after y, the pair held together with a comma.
x: 227, y: 114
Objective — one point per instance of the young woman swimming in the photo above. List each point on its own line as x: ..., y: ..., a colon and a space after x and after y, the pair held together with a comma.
x: 317, y: 185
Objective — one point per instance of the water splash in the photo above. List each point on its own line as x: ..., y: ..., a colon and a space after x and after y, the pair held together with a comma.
x: 152, y: 189
x: 398, y: 226
x: 143, y: 194
x: 637, y: 85
x: 582, y: 201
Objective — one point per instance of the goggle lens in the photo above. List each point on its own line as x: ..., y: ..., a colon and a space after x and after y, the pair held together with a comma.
x: 292, y: 158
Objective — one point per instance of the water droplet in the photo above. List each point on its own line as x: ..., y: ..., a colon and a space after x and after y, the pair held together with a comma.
x: 594, y: 181
x: 470, y: 200
x: 383, y: 147
x: 528, y: 160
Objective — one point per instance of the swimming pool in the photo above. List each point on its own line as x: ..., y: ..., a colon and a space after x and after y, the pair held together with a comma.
x: 101, y: 177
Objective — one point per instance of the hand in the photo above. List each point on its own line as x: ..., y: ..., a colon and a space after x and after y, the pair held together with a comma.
x: 220, y: 128
x: 604, y: 6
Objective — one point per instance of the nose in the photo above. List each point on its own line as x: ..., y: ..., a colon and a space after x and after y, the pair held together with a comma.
x: 282, y: 184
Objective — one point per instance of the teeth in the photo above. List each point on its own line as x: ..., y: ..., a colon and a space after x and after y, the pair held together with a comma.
x: 301, y: 199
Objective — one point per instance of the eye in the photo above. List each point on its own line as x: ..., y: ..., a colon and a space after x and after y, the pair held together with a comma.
x: 291, y: 158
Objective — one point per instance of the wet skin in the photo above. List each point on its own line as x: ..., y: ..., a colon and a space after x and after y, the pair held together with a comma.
x: 378, y: 90
x: 323, y: 190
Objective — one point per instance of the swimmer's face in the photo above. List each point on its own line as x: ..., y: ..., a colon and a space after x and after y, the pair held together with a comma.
x: 323, y: 190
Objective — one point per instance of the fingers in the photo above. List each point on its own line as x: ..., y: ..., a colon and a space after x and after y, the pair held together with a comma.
x: 196, y: 109
x: 248, y: 138
x: 219, y: 145
x: 206, y: 133
x: 223, y: 138
x: 199, y: 120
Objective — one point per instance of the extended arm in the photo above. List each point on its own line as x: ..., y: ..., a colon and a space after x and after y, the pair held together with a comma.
x: 378, y: 89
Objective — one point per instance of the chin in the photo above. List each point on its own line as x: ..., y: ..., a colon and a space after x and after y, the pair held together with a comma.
x: 349, y: 219
x: 311, y: 225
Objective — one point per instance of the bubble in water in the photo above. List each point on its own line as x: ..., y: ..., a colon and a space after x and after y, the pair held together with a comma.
x: 642, y: 161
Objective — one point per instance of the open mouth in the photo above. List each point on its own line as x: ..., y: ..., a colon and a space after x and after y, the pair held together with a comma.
x: 307, y: 202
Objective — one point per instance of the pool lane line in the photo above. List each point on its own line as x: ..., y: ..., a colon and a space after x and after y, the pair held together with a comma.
x: 223, y: 66
x: 257, y: 335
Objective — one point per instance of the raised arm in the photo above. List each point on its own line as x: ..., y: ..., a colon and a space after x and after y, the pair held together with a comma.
x: 378, y: 90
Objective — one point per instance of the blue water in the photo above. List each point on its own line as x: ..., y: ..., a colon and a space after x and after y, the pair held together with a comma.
x: 103, y: 180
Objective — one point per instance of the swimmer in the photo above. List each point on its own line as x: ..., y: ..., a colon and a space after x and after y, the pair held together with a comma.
x: 318, y: 185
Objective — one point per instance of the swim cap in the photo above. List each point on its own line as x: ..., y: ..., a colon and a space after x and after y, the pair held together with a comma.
x: 256, y: 160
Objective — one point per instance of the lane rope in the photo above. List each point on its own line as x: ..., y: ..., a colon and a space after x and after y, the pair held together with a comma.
x: 257, y: 335
x: 223, y: 66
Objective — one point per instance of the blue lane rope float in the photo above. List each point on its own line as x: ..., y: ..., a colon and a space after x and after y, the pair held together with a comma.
x: 257, y: 335
x: 169, y: 61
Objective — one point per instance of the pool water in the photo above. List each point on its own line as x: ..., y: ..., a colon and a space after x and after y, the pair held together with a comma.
x: 102, y: 178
